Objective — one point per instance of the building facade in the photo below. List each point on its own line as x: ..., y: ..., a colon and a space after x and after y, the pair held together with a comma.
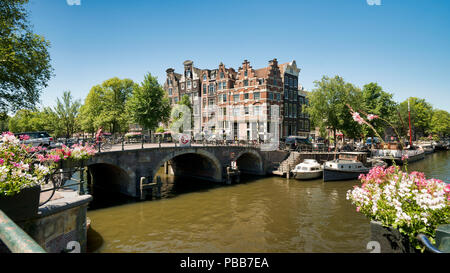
x: 247, y: 104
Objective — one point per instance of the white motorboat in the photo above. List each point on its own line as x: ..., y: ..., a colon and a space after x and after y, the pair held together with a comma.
x: 347, y: 167
x: 393, y: 152
x: 428, y: 148
x: 308, y: 169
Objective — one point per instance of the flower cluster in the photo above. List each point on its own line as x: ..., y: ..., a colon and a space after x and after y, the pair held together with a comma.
x: 18, y: 167
x: 409, y: 202
x: 23, y: 166
x: 80, y: 152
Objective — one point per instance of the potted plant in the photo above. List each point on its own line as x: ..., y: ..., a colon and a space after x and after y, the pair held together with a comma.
x: 399, y: 204
x: 20, y: 178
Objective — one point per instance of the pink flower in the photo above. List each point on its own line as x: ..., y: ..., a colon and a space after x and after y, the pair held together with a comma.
x: 2, y: 161
x: 357, y: 118
x: 405, y: 157
x: 371, y: 117
x: 357, y: 209
x: 24, y: 137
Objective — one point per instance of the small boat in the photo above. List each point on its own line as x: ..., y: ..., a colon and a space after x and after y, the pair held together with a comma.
x: 428, y: 148
x: 308, y: 169
x: 393, y: 152
x: 349, y: 166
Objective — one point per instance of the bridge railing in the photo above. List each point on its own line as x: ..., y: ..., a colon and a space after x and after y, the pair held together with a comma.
x: 15, y: 238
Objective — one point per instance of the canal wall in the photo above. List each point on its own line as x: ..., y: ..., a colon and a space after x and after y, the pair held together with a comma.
x: 59, y: 224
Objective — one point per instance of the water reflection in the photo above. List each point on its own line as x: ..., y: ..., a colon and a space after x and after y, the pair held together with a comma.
x: 268, y: 214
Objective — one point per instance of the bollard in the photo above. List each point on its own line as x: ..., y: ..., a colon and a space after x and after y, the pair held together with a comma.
x: 142, y: 142
x: 158, y: 186
x: 123, y: 144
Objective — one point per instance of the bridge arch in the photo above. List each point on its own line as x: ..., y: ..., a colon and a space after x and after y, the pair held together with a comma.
x: 112, y: 178
x: 195, y: 163
x: 250, y: 162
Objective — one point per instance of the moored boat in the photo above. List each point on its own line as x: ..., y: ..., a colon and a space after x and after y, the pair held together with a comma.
x: 308, y: 169
x: 348, y: 166
x: 428, y: 148
x: 393, y: 152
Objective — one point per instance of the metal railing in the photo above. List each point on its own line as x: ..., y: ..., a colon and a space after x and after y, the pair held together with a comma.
x: 15, y: 238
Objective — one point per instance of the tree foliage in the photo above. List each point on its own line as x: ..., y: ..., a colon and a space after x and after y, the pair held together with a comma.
x: 328, y: 105
x: 440, y: 123
x: 24, y: 59
x: 421, y: 115
x: 105, y: 106
x: 67, y: 113
x: 380, y: 103
x: 148, y: 105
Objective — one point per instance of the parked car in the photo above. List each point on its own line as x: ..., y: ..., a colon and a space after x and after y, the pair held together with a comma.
x: 42, y: 139
x: 297, y: 143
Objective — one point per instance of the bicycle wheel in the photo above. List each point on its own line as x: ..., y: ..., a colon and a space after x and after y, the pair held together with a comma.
x: 106, y: 146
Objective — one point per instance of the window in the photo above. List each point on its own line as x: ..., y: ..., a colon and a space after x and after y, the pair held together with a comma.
x: 219, y: 86
x: 256, y: 96
x: 295, y: 110
x: 245, y: 82
x: 246, y: 110
x: 260, y: 81
x: 170, y: 91
x: 236, y: 111
x: 210, y: 102
x: 204, y: 77
x: 188, y: 73
x: 278, y: 97
x: 204, y: 89
x: 257, y: 110
x: 286, y: 95
x: 169, y: 81
x: 270, y: 96
x: 224, y: 85
x: 235, y: 98
x: 286, y: 110
x: 274, y: 81
x: 245, y: 73
x: 222, y: 75
x: 182, y: 86
x: 224, y: 111
x: 176, y: 100
x: 211, y: 88
x: 295, y: 83
x: 291, y: 111
x: 224, y: 96
x: 246, y: 96
x: 195, y: 84
x: 188, y: 84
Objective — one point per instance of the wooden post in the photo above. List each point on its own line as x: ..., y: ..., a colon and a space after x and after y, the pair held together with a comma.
x: 158, y: 186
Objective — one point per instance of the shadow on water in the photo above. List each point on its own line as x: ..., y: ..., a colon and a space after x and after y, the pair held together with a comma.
x: 94, y: 240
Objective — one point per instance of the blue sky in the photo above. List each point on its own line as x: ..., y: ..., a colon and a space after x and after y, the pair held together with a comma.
x: 403, y: 45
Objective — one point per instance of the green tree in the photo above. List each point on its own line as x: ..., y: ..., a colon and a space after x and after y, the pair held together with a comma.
x: 105, y: 106
x: 380, y: 103
x: 148, y: 105
x: 328, y: 105
x: 440, y: 123
x: 24, y: 59
x: 67, y: 112
x: 421, y: 114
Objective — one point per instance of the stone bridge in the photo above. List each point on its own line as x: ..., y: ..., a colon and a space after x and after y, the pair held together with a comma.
x: 120, y: 171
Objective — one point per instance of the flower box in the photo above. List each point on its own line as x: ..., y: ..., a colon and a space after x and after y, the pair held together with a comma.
x: 23, y: 205
x: 390, y: 239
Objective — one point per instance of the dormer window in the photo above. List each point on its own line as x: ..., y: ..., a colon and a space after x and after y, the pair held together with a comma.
x: 204, y: 77
x: 222, y: 75
x: 245, y: 73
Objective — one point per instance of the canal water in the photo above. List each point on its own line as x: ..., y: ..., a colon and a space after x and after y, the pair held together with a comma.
x: 262, y: 214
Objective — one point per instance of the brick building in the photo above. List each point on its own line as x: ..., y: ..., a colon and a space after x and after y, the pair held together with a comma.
x: 239, y: 103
